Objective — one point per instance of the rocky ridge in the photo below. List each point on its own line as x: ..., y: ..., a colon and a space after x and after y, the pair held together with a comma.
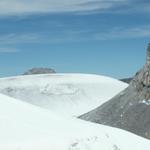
x: 130, y: 109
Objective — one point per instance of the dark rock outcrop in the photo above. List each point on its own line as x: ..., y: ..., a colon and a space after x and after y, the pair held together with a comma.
x: 126, y: 80
x: 130, y: 109
x: 39, y: 71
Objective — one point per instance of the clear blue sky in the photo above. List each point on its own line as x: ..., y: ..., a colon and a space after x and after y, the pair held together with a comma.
x: 74, y: 36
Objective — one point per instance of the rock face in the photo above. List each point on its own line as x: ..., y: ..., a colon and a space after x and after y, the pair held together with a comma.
x: 126, y: 80
x: 130, y: 109
x: 39, y: 71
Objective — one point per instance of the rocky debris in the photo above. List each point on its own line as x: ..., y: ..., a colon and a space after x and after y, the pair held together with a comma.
x: 39, y: 71
x: 126, y: 80
x: 130, y: 109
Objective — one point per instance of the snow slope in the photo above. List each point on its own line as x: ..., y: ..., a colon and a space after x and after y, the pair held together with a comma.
x: 73, y: 94
x: 27, y: 127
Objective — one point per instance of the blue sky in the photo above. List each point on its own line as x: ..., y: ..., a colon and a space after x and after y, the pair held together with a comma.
x: 107, y: 37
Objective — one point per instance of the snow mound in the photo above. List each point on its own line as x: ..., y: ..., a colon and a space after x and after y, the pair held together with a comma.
x: 66, y: 94
x: 27, y: 127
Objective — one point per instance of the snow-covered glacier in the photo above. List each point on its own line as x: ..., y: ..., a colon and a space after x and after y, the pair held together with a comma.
x: 66, y: 94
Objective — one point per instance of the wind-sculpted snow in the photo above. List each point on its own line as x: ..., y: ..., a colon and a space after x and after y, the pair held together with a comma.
x: 27, y: 127
x: 67, y: 94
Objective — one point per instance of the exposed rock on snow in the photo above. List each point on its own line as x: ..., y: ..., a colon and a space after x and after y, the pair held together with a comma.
x: 129, y: 110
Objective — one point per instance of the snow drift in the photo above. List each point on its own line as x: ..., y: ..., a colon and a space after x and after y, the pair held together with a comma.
x: 27, y: 127
x: 68, y: 94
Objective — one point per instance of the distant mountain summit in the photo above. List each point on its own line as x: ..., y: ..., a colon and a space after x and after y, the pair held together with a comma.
x: 126, y: 80
x: 39, y: 71
x: 130, y: 109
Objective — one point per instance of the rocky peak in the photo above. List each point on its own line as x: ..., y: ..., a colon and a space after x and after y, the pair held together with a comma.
x: 141, y: 81
x: 148, y: 55
x: 130, y: 109
x: 39, y: 71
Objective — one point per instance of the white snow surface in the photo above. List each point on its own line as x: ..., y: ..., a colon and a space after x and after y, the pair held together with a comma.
x: 27, y: 127
x: 146, y: 102
x: 66, y: 94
